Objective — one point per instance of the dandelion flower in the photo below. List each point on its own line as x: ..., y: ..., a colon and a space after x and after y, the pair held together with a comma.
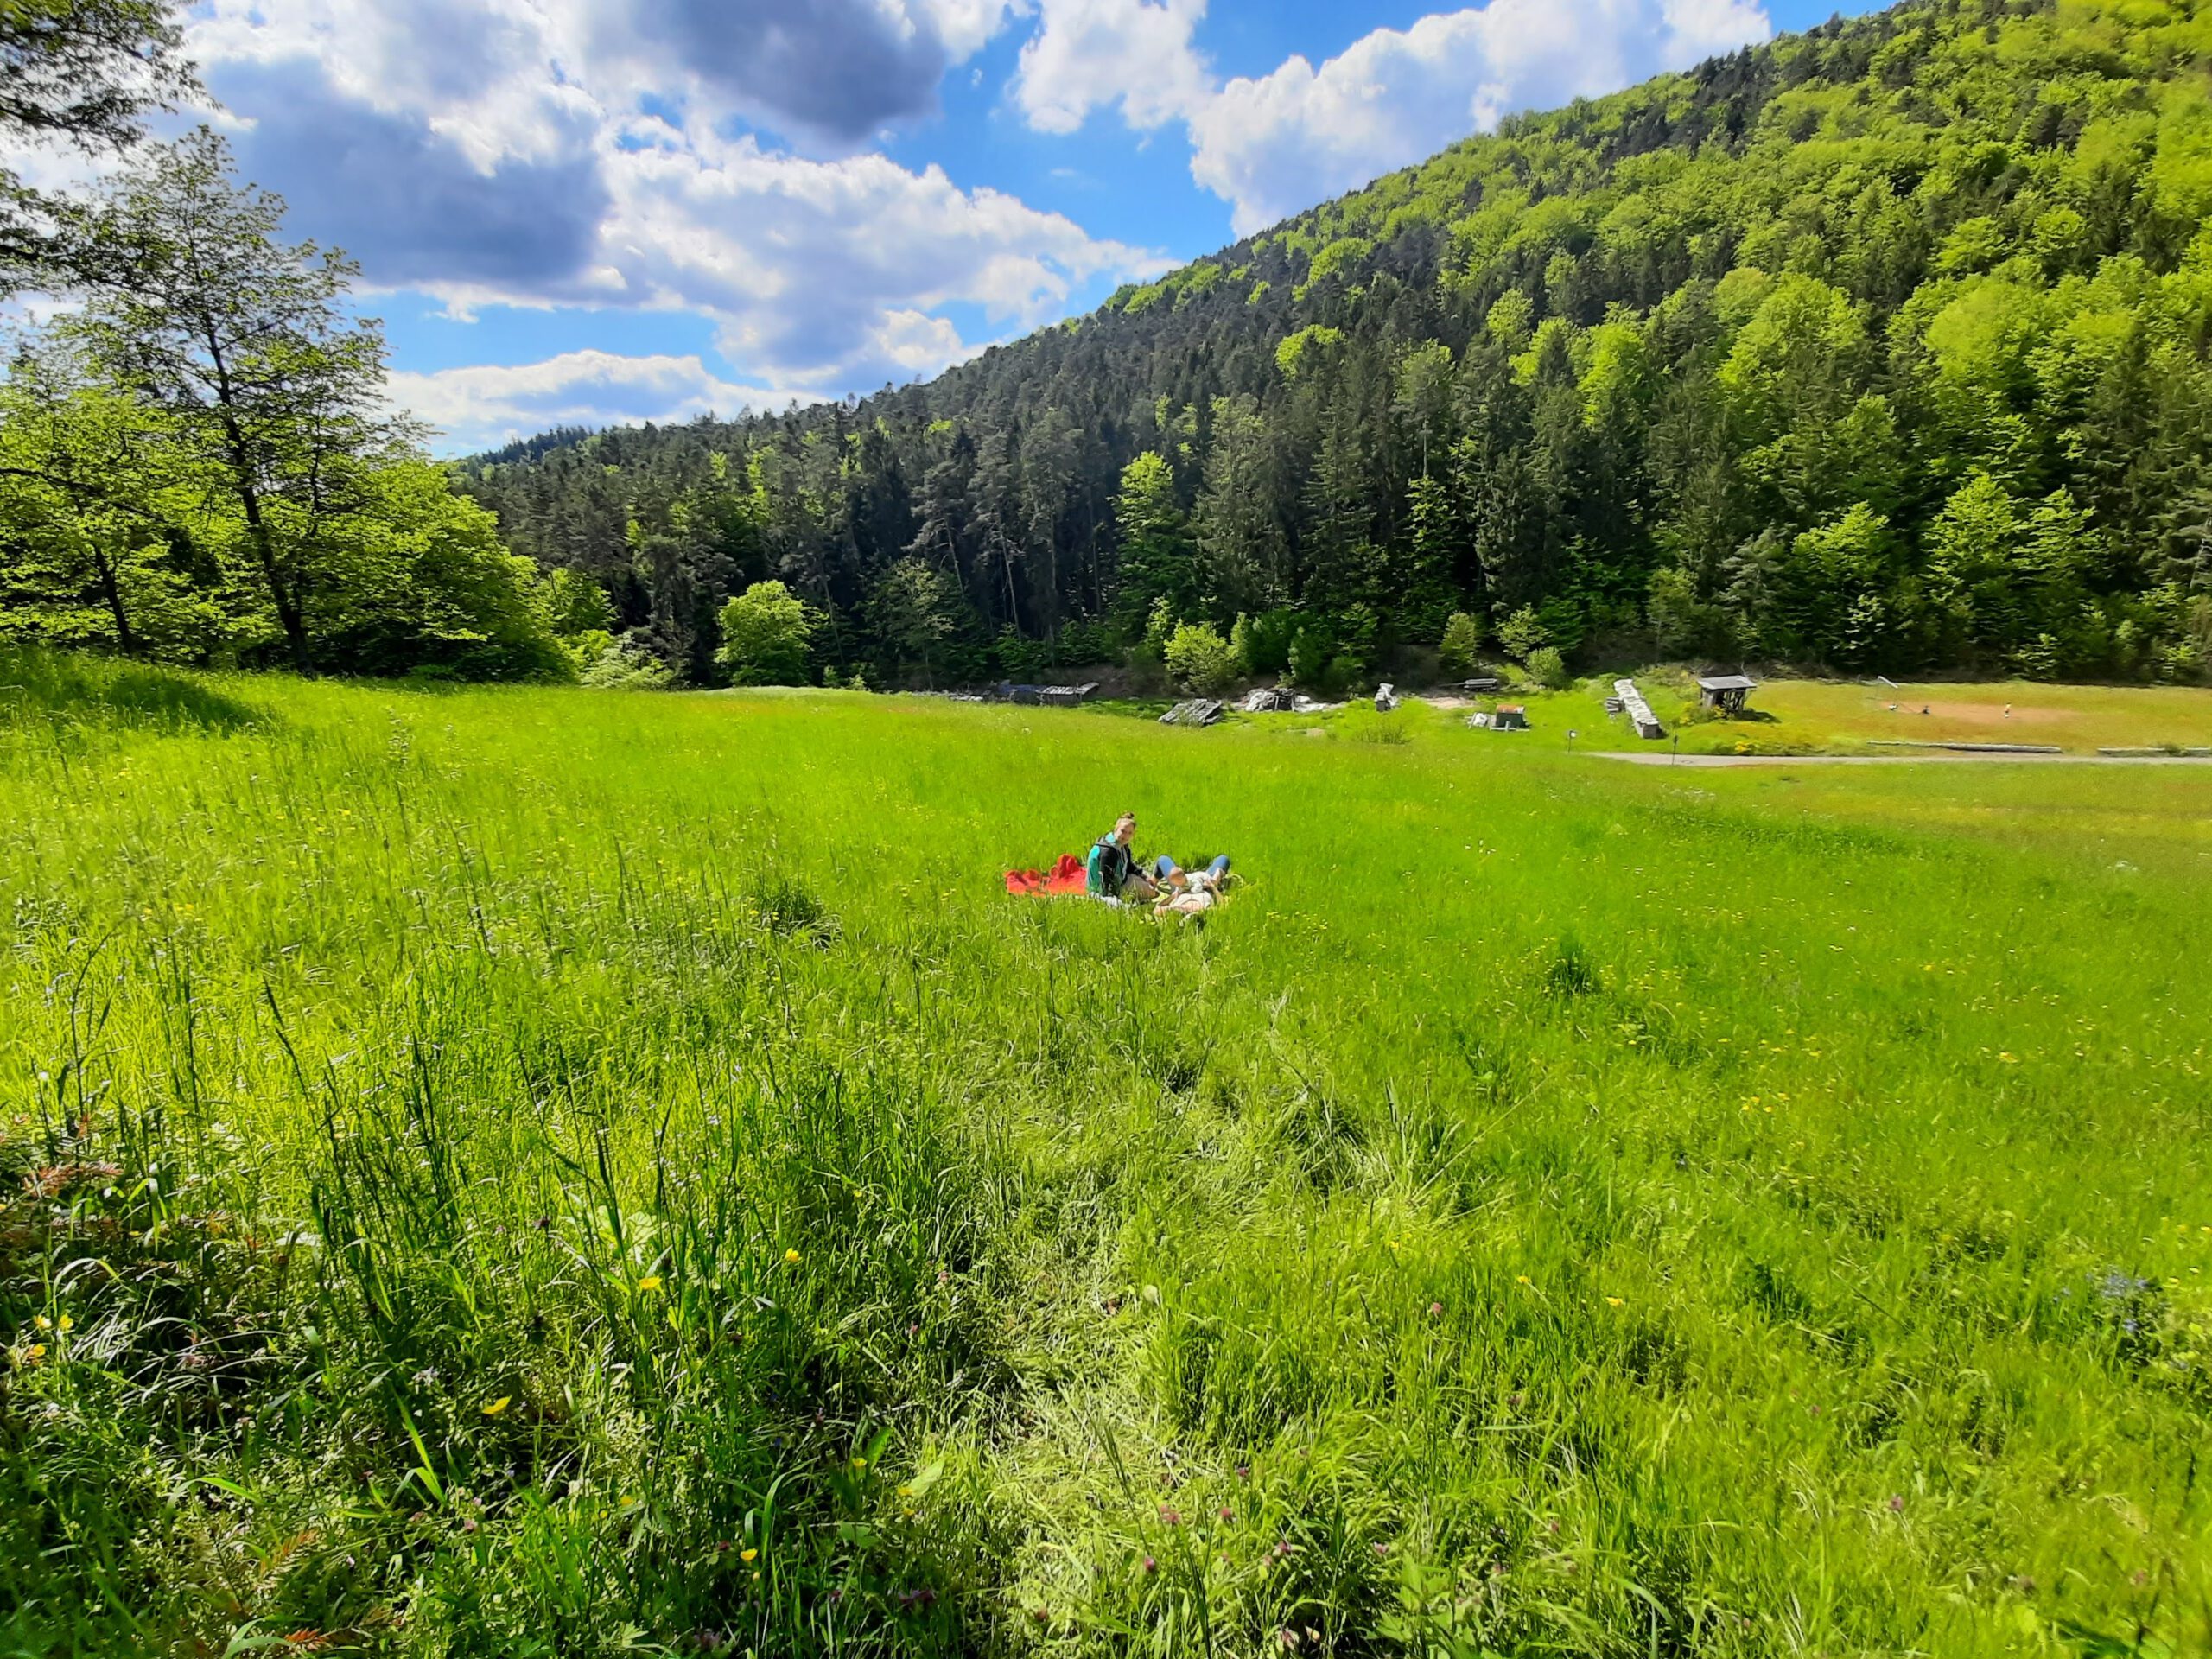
x: 650, y: 1282
x: 792, y: 1256
x: 67, y: 1325
x: 494, y: 1407
x: 1520, y: 1278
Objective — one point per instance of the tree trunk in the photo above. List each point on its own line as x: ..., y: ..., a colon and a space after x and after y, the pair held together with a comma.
x: 264, y: 548
x: 287, y: 609
x: 257, y: 528
x: 112, y: 590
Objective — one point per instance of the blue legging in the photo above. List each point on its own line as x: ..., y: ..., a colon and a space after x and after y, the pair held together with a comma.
x: 1163, y: 867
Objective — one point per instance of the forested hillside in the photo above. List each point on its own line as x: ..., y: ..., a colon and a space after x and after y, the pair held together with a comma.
x: 1883, y: 346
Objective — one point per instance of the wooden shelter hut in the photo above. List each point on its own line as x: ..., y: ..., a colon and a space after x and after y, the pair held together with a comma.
x: 1725, y: 692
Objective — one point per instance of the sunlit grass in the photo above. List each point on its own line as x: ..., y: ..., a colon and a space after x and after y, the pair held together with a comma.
x: 547, y: 1171
x: 1789, y: 716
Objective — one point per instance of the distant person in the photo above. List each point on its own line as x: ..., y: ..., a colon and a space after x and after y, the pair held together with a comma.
x: 1192, y: 892
x: 1111, y: 871
x: 1167, y: 873
x: 1195, y: 899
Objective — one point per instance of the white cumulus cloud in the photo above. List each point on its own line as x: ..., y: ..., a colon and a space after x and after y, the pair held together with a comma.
x: 552, y: 153
x: 819, y: 268
x: 1090, y: 54
x: 1276, y: 143
x: 484, y: 406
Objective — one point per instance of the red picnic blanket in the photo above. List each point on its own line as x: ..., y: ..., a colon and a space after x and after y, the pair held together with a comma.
x: 1063, y: 878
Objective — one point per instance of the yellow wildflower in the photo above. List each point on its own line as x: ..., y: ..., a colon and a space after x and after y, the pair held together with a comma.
x: 748, y: 1554
x: 650, y: 1282
x: 792, y: 1256
x: 496, y: 1407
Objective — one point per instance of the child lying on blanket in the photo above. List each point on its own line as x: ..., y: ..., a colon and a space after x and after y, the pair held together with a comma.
x: 1190, y: 893
x: 1166, y: 873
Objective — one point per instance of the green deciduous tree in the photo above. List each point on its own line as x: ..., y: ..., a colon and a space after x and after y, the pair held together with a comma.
x: 411, y: 577
x: 95, y: 508
x: 767, y: 632
x: 1522, y: 634
x: 1199, y: 660
x: 1158, y: 559
x: 1972, y: 545
x: 245, y: 343
x: 82, y: 73
x: 200, y: 463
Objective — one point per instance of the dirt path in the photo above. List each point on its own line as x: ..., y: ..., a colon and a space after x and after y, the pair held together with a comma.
x: 1663, y: 760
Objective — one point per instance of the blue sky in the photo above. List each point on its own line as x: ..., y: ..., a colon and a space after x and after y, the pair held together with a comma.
x: 596, y: 210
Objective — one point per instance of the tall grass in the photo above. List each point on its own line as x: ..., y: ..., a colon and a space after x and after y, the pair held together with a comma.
x: 557, y: 1172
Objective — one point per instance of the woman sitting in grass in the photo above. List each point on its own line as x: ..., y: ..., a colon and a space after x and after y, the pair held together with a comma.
x: 1110, y: 872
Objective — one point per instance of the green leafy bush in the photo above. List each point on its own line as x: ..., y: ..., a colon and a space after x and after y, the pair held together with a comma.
x: 1262, y: 642
x: 1311, y: 649
x: 767, y: 630
x: 627, y: 664
x: 1522, y: 633
x: 1463, y: 639
x: 1199, y: 661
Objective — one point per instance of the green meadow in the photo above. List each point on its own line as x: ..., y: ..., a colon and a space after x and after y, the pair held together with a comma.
x: 1799, y: 717
x: 542, y: 1172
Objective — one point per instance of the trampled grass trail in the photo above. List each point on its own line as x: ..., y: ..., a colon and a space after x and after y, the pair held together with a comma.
x: 556, y: 1172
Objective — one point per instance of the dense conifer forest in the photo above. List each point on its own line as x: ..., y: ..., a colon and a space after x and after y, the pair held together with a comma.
x: 1884, y: 346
